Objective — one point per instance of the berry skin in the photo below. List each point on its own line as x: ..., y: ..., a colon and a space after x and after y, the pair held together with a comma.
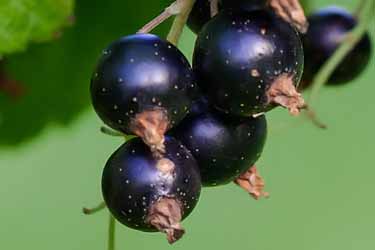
x: 326, y: 32
x: 136, y: 84
x: 149, y: 194
x: 201, y: 12
x: 199, y: 106
x: 249, y: 62
x: 199, y: 15
x: 223, y: 146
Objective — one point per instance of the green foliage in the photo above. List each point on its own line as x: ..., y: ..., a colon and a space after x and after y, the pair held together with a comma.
x: 24, y: 21
x: 56, y: 75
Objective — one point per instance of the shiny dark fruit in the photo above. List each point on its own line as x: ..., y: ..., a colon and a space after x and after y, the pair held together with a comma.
x: 247, y: 5
x: 142, y: 81
x: 199, y: 106
x: 201, y: 12
x: 327, y: 30
x: 135, y: 183
x: 249, y: 62
x: 199, y: 15
x: 223, y: 146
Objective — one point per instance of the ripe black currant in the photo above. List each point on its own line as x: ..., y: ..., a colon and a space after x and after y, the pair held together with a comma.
x: 223, y: 146
x: 249, y: 62
x: 327, y: 30
x: 142, y: 85
x: 199, y: 106
x: 201, y: 12
x: 199, y: 15
x: 149, y: 194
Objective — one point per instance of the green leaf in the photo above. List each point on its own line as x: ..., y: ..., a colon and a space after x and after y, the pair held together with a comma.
x: 25, y: 21
x: 56, y: 75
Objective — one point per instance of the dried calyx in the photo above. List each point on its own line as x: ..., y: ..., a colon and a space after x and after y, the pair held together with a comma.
x: 165, y: 215
x: 151, y: 126
x: 283, y: 92
x: 253, y: 183
x: 292, y: 12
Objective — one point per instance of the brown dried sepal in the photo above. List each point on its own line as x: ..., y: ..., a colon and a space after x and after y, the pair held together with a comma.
x: 165, y: 215
x: 292, y: 12
x: 253, y: 183
x: 214, y: 7
x: 165, y: 166
x: 151, y: 126
x: 283, y: 92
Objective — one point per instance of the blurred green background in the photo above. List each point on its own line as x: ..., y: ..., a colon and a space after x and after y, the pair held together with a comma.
x: 321, y: 182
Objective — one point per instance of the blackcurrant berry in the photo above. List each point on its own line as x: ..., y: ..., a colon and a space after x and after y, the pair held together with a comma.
x: 247, y: 5
x: 201, y: 12
x: 151, y: 194
x: 328, y: 29
x: 142, y: 85
x: 199, y: 106
x: 223, y: 146
x: 249, y: 62
x: 199, y: 15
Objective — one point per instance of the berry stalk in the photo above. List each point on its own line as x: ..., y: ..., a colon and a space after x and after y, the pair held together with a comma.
x: 98, y: 208
x: 349, y: 43
x: 111, y: 233
x: 180, y: 21
x: 173, y: 9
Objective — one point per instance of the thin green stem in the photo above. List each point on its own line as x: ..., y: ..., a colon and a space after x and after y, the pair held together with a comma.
x: 98, y: 208
x: 172, y: 9
x: 359, y: 9
x: 180, y: 21
x: 350, y: 41
x: 111, y: 232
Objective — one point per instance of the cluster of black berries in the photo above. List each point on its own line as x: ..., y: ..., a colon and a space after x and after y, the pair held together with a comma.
x: 200, y: 126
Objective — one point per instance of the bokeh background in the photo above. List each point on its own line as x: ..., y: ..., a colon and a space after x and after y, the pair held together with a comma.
x: 52, y: 154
